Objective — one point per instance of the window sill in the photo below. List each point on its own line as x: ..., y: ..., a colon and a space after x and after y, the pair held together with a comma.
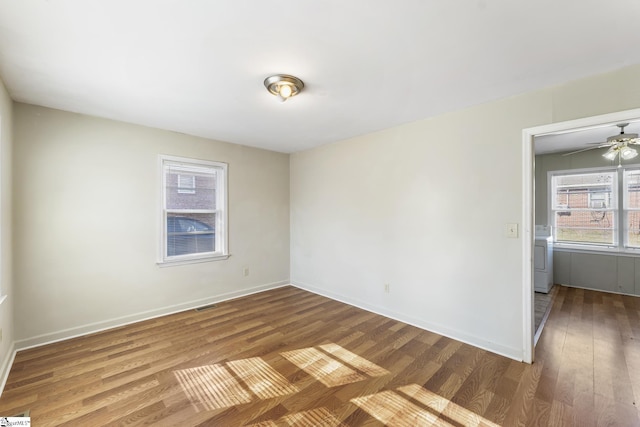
x: 561, y: 247
x: 184, y: 261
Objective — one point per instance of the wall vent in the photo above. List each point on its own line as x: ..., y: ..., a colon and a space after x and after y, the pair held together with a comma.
x: 205, y: 307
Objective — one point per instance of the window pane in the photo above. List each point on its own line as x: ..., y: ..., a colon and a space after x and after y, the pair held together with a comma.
x: 584, y: 208
x: 585, y: 227
x: 632, y: 202
x: 195, y: 193
x: 190, y: 233
x: 633, y: 229
x: 632, y: 193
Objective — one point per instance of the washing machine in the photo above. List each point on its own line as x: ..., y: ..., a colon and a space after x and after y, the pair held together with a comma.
x: 543, y: 259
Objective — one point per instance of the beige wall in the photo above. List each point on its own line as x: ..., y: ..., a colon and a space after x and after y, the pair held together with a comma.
x: 423, y: 207
x: 6, y: 275
x: 86, y: 224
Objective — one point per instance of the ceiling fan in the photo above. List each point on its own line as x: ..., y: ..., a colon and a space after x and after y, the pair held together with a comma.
x: 618, y: 145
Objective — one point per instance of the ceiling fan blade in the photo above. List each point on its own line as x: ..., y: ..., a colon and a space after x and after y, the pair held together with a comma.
x: 587, y: 149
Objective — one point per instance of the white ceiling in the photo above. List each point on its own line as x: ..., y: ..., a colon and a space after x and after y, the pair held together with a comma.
x: 197, y: 66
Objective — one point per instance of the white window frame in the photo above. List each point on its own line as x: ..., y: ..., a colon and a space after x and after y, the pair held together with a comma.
x: 221, y: 227
x: 618, y: 198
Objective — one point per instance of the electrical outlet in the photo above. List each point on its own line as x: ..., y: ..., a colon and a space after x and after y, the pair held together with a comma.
x: 387, y: 287
x: 245, y: 271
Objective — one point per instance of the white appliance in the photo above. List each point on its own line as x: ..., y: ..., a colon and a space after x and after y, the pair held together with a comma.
x: 543, y: 259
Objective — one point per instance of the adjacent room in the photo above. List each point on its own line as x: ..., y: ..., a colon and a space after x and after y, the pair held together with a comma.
x: 319, y: 213
x: 587, y: 223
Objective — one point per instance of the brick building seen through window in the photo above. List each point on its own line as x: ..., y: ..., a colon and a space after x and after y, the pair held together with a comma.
x: 589, y: 208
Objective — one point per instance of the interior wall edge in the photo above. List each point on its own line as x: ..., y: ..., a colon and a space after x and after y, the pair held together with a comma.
x: 7, y: 363
x: 92, y: 328
x: 506, y: 351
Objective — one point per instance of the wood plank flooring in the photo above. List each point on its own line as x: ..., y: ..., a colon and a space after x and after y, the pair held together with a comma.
x: 288, y: 357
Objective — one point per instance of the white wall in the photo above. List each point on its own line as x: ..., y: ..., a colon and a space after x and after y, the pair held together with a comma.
x: 423, y: 207
x: 85, y: 225
x: 6, y: 275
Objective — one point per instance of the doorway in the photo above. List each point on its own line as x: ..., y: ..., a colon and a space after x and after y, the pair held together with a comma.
x: 529, y: 137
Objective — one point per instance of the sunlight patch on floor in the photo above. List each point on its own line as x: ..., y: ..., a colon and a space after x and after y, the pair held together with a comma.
x: 322, y: 367
x: 265, y: 424
x: 360, y: 363
x: 394, y: 410
x: 319, y: 417
x: 214, y: 386
x: 211, y: 387
x: 242, y: 381
x: 264, y: 381
x: 448, y: 409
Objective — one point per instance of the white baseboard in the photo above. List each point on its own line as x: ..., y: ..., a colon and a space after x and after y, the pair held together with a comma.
x: 606, y: 291
x: 91, y: 328
x: 5, y: 368
x: 511, y: 353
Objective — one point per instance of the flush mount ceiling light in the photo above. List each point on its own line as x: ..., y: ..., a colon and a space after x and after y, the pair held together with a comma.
x: 283, y: 86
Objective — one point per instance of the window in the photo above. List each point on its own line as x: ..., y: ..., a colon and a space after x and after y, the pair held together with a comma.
x: 194, y: 221
x: 598, y: 208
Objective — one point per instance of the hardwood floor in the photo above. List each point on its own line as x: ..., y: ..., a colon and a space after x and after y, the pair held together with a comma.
x: 289, y: 357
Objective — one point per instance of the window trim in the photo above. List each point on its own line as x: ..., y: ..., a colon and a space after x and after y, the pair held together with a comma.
x: 620, y: 212
x: 222, y: 220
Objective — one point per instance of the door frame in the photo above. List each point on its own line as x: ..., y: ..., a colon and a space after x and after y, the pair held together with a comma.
x: 528, y: 205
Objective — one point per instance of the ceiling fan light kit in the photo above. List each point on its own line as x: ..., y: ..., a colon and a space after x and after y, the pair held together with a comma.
x: 618, y: 146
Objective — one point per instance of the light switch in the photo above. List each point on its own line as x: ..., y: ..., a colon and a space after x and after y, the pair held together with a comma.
x: 512, y: 230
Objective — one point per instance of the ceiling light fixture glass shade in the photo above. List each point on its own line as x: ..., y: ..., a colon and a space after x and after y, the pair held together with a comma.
x: 283, y: 86
x: 611, y: 154
x: 628, y: 153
